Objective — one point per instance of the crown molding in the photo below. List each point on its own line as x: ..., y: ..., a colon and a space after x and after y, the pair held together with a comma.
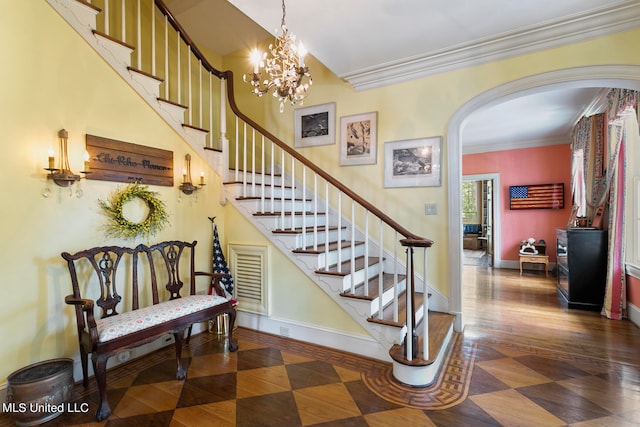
x: 598, y: 23
x: 515, y: 145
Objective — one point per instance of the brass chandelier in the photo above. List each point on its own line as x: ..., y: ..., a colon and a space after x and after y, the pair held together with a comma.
x: 285, y: 71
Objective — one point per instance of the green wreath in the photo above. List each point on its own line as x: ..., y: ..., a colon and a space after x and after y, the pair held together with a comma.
x: 119, y: 226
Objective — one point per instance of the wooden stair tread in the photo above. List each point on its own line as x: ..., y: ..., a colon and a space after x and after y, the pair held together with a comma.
x: 299, y: 230
x: 439, y: 326
x: 321, y: 249
x: 287, y: 213
x: 346, y: 266
x: 276, y: 199
x: 372, y: 284
x: 387, y: 311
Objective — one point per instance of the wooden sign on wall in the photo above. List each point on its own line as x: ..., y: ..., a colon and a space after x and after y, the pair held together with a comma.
x: 111, y: 160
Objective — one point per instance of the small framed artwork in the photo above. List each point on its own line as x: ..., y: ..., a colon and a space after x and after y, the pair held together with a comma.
x: 358, y: 139
x: 315, y: 125
x: 412, y: 162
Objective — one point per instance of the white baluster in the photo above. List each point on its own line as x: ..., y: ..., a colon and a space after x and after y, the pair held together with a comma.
x: 315, y: 211
x: 179, y: 80
x: 425, y: 310
x: 166, y: 58
x: 264, y: 177
x: 282, y: 181
x: 123, y: 19
x: 293, y: 193
x: 409, y: 337
x: 366, y: 253
x: 236, y: 165
x: 395, y: 278
x: 244, y: 160
x: 105, y: 12
x: 253, y: 162
x: 353, y: 249
x: 139, y: 38
x: 326, y: 225
x: 273, y: 176
x: 189, y: 87
x: 153, y: 38
x: 339, y: 231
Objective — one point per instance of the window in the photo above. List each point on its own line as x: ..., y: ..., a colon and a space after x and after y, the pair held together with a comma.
x: 470, y: 214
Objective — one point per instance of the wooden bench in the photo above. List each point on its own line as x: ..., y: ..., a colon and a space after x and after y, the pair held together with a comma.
x: 108, y: 273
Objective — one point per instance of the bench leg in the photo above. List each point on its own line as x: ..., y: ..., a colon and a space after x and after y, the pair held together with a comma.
x: 84, y: 362
x: 179, y: 338
x: 100, y: 370
x: 233, y: 345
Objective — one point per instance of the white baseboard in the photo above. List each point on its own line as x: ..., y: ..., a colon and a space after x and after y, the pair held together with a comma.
x: 633, y: 313
x: 363, y: 345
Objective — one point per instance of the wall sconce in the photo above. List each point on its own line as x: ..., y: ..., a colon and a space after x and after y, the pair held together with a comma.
x: 187, y: 186
x: 62, y: 175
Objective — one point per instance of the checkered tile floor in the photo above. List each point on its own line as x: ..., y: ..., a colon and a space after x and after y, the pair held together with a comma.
x: 273, y: 381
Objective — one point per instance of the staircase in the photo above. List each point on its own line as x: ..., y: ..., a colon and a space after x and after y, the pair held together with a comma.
x: 370, y: 265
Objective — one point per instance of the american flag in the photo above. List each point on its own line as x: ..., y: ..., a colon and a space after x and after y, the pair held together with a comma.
x: 542, y: 196
x: 220, y: 264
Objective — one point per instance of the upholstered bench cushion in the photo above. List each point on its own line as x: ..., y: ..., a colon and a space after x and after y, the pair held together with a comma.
x: 126, y: 323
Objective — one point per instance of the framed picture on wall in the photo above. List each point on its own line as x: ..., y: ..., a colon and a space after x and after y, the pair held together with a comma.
x: 358, y: 139
x: 315, y: 125
x: 413, y: 162
x: 536, y: 196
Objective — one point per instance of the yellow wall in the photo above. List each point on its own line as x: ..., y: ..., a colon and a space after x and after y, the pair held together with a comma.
x: 51, y: 79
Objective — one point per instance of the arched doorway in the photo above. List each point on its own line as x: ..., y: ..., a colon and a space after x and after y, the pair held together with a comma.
x: 623, y: 76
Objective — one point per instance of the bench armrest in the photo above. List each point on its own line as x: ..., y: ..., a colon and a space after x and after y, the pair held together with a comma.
x: 215, y: 284
x: 86, y: 305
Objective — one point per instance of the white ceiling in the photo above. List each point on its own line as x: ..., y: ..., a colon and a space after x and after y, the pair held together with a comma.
x: 372, y: 43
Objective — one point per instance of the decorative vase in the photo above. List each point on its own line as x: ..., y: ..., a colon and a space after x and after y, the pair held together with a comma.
x: 40, y: 392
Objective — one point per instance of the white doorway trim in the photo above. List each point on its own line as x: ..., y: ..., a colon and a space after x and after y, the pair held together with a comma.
x: 496, y: 229
x: 624, y: 76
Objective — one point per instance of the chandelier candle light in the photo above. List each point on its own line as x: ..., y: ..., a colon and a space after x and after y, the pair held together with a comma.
x: 285, y: 69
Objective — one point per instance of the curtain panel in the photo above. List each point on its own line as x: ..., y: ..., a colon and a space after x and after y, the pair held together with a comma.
x: 599, y: 143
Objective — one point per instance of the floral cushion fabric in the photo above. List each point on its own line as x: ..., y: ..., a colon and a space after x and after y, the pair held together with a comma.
x: 125, y: 323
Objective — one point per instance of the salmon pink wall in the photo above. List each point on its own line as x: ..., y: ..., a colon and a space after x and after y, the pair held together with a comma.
x: 633, y: 290
x: 538, y: 165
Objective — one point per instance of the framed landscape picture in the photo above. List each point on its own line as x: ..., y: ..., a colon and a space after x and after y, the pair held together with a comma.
x: 315, y: 125
x: 358, y: 139
x: 412, y: 162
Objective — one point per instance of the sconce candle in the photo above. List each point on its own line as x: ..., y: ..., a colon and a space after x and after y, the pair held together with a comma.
x: 52, y: 160
x: 87, y: 163
x: 187, y: 187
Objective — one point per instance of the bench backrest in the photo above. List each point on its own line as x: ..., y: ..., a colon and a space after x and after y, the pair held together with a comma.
x: 110, y: 264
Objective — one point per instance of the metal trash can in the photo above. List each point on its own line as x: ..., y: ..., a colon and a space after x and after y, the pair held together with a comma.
x: 39, y: 392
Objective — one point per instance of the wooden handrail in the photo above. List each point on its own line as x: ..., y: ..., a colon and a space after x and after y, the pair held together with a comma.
x: 413, y: 239
x: 183, y: 34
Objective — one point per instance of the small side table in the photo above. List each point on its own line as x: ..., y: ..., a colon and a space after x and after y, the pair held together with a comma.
x: 535, y: 259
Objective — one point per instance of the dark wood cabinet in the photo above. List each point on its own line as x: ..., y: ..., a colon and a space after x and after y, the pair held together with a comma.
x: 582, y: 267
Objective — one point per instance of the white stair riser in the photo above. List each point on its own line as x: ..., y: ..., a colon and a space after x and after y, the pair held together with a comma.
x: 387, y: 297
x: 297, y: 221
x: 359, y: 275
x: 255, y: 180
x: 307, y: 239
x: 276, y: 205
x: 332, y: 258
